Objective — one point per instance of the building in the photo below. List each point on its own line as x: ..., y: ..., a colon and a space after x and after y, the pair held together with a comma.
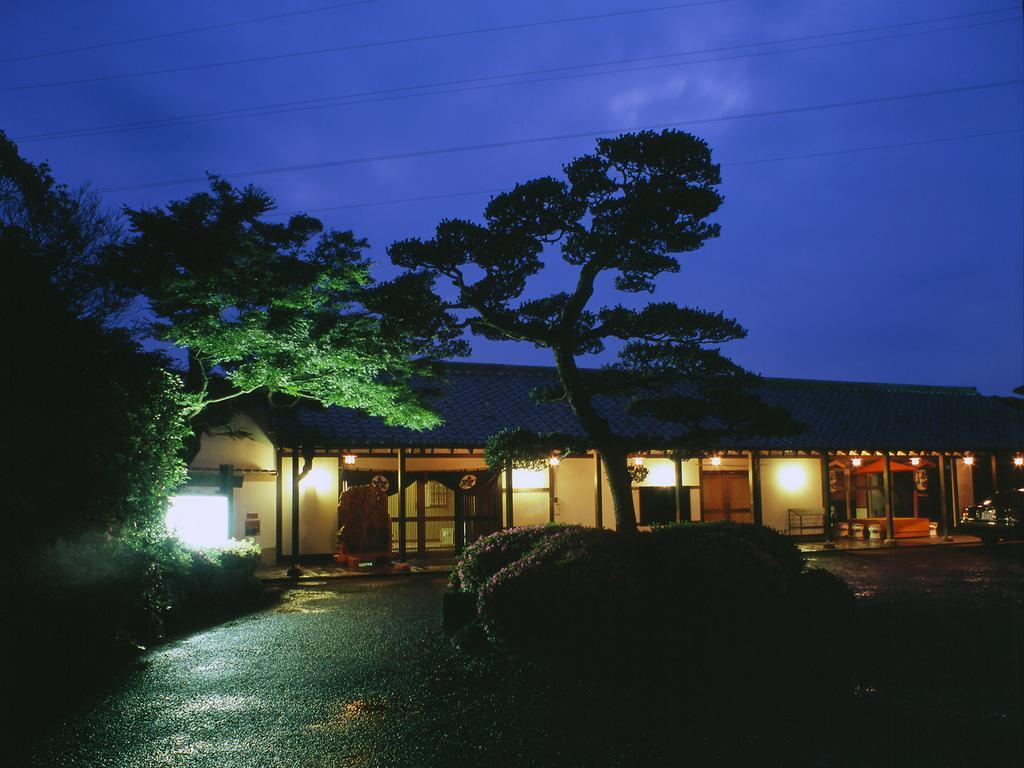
x: 900, y: 456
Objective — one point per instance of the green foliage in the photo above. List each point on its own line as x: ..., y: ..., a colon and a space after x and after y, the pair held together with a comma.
x: 113, y: 593
x: 522, y: 448
x: 284, y: 306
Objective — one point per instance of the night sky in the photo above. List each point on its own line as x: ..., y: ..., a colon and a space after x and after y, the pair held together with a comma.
x: 901, y: 264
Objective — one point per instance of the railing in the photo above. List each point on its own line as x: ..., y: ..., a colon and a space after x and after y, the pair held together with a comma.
x: 800, y: 520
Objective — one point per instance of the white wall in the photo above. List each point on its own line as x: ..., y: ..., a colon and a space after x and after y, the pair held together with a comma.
x: 258, y: 492
x: 574, y: 491
x: 318, y: 507
x: 788, y: 484
x: 965, y: 485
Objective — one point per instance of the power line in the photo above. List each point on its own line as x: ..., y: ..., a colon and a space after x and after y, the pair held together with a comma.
x: 566, y: 136
x: 487, y: 82
x: 376, y: 44
x: 180, y: 32
x: 739, y: 163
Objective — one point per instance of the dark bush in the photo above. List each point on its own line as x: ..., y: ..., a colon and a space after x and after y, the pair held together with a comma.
x: 698, y: 621
x: 774, y: 544
x: 571, y: 586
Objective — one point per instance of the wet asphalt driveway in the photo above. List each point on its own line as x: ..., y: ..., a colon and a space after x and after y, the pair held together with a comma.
x: 358, y: 673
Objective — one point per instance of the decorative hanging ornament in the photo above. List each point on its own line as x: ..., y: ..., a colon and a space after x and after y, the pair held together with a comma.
x: 380, y: 483
x: 467, y: 481
x: 833, y: 481
x: 921, y: 479
x: 638, y: 472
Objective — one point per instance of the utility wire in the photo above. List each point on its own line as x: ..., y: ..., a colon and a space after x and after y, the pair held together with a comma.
x: 760, y: 161
x: 376, y: 44
x: 567, y: 136
x: 180, y: 32
x: 487, y: 82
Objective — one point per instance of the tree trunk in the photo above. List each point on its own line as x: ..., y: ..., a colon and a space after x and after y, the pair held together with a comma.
x: 621, y: 486
x: 597, y: 430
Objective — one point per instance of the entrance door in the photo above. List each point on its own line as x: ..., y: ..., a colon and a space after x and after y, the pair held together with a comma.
x: 726, y: 496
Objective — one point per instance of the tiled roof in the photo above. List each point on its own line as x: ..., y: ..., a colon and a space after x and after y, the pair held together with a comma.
x: 476, y: 400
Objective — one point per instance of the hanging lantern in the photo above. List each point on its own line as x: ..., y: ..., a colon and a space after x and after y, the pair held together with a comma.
x: 834, y: 484
x: 921, y: 479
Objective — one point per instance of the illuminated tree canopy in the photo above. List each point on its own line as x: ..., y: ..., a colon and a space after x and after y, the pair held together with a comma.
x: 287, y: 307
x: 625, y: 211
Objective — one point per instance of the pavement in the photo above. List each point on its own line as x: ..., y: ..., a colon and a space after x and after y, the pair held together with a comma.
x: 356, y: 672
x: 319, y: 571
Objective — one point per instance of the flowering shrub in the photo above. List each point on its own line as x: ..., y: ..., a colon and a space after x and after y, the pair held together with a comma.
x: 485, y: 557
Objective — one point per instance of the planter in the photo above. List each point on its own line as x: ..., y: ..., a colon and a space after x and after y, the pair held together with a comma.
x: 458, y: 610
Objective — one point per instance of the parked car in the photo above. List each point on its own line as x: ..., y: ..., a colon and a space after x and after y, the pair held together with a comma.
x: 1000, y: 517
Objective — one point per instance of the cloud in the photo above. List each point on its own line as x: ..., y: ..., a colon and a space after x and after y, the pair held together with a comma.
x: 698, y: 96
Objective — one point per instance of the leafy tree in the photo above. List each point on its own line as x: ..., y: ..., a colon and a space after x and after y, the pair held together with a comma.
x: 284, y: 307
x: 626, y: 210
x: 67, y: 231
x: 94, y: 423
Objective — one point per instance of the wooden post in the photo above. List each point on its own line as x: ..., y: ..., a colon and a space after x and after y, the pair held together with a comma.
x: 848, y: 485
x: 295, y: 503
x: 754, y: 478
x: 954, y: 490
x: 995, y: 475
x: 551, y: 494
x: 509, y: 518
x: 279, y: 507
x: 401, y: 506
x: 700, y: 487
x: 598, y: 495
x: 227, y: 487
x: 890, y: 538
x: 943, y: 506
x: 826, y: 503
x: 677, y: 464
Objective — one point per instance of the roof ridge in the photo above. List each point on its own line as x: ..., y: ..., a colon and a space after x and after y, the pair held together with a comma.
x: 535, y: 368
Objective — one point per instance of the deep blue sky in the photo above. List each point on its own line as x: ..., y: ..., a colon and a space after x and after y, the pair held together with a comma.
x: 901, y: 264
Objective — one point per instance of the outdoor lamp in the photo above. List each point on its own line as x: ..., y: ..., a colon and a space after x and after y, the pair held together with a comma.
x: 1018, y: 461
x: 856, y: 461
x: 349, y: 458
x: 638, y: 461
x: 968, y: 461
x: 554, y: 461
x: 915, y: 461
x: 716, y: 461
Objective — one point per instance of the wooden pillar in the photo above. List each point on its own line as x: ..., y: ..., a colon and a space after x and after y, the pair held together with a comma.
x: 848, y: 486
x: 279, y: 507
x: 826, y: 502
x: 401, y: 506
x: 943, y: 505
x: 295, y: 503
x: 551, y: 494
x: 754, y: 478
x: 509, y: 517
x: 995, y: 475
x: 459, y: 535
x: 700, y: 487
x: 677, y: 464
x: 954, y: 490
x: 598, y: 495
x: 890, y: 529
